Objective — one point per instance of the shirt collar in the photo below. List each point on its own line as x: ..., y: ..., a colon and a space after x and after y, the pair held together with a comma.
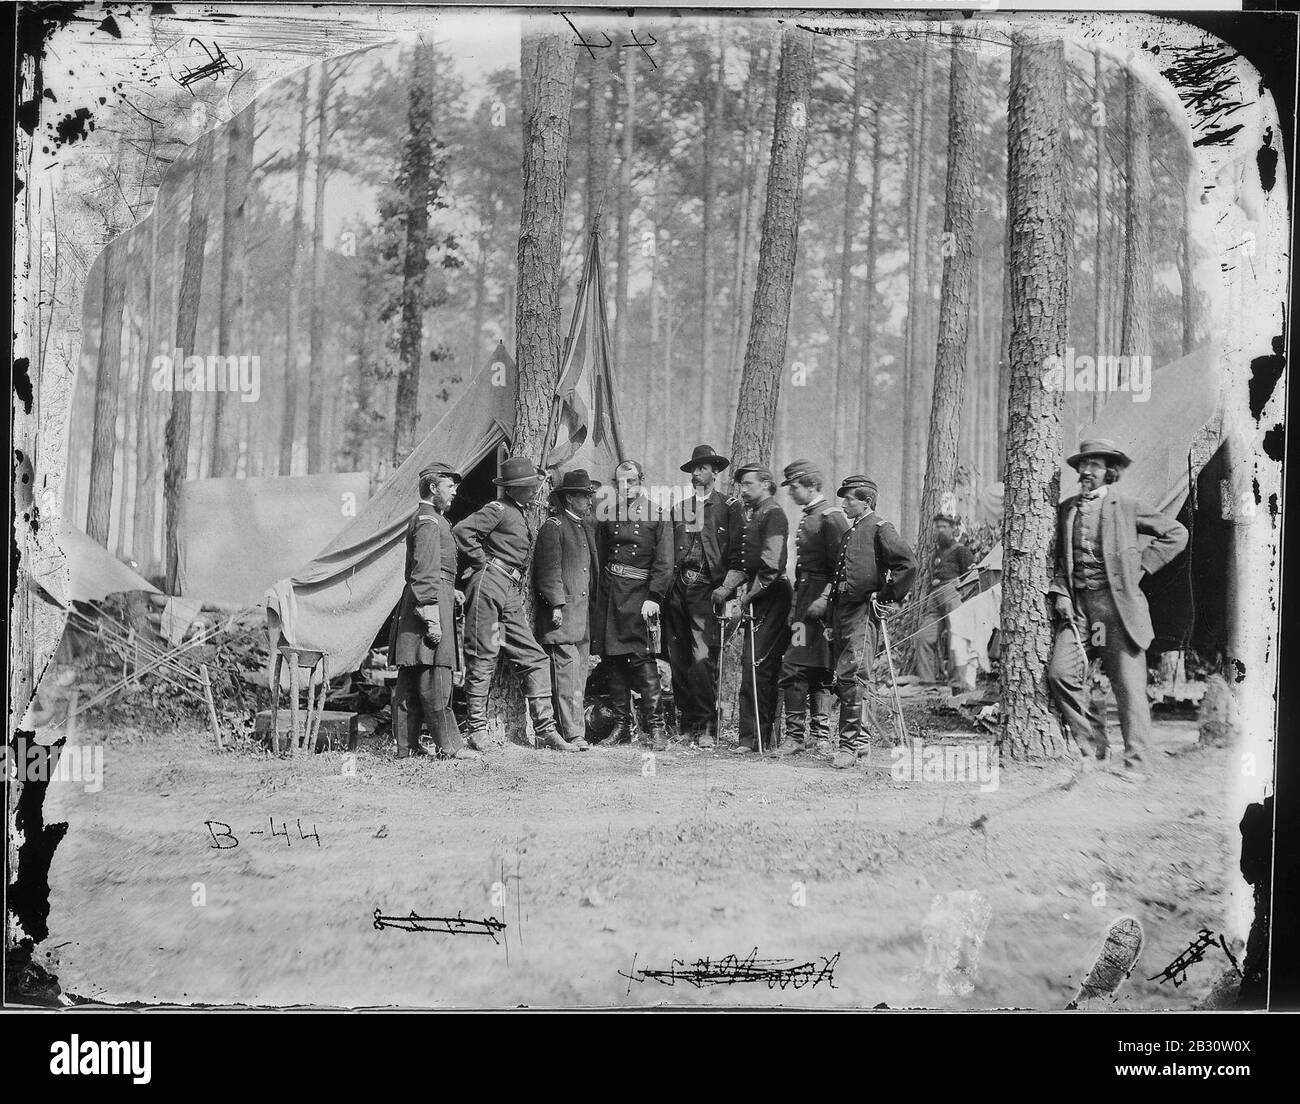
x: 815, y: 503
x: 576, y: 517
x: 1097, y: 495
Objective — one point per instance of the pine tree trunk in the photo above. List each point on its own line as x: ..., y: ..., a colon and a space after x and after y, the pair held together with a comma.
x: 1036, y: 175
x: 108, y: 372
x: 316, y: 378
x: 839, y: 384
x: 954, y: 304
x: 624, y: 213
x: 865, y: 404
x: 418, y: 166
x: 177, y: 441
x: 710, y: 110
x: 1187, y: 280
x: 288, y: 425
x: 1135, y: 335
x: 917, y: 293
x: 231, y: 338
x: 146, y: 459
x: 760, y: 383
x: 1099, y: 253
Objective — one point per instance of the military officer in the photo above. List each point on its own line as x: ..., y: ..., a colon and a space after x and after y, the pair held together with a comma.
x: 423, y: 642
x: 1098, y: 600
x: 704, y: 527
x: 565, y: 571
x: 951, y: 560
x: 806, y: 668
x: 874, y: 563
x: 757, y: 573
x: 497, y: 541
x: 634, y: 548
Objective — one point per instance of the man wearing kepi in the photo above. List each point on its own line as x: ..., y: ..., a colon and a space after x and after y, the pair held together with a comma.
x: 875, y: 563
x: 635, y: 550
x: 564, y: 574
x: 423, y: 642
x: 1100, y: 608
x: 757, y: 572
x: 497, y: 541
x: 704, y: 527
x: 805, y: 669
x: 950, y: 562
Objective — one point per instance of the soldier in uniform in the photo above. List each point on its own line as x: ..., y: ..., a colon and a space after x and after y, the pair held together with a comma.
x: 497, y: 541
x: 875, y: 562
x: 951, y: 560
x: 565, y: 571
x: 806, y: 668
x: 704, y: 527
x: 635, y: 549
x: 423, y: 641
x: 1098, y: 599
x: 757, y: 572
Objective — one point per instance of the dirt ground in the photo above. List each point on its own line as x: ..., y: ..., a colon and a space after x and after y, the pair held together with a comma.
x: 608, y: 863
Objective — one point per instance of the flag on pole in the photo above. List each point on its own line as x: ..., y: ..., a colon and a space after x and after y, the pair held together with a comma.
x: 586, y: 422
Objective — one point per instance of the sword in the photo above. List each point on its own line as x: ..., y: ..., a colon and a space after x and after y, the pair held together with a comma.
x: 458, y: 633
x: 753, y: 676
x: 893, y: 679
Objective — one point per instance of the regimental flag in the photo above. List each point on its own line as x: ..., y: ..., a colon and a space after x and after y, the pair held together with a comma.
x: 586, y: 421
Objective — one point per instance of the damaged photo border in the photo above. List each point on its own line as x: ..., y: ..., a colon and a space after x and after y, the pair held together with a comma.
x: 1236, y: 137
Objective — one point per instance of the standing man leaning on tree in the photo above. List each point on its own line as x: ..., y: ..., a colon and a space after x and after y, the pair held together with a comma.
x: 757, y: 572
x: 423, y: 641
x: 704, y: 529
x: 497, y: 541
x: 565, y: 574
x: 806, y: 669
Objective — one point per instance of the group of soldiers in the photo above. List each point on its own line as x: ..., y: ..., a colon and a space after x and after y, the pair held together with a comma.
x: 634, y: 581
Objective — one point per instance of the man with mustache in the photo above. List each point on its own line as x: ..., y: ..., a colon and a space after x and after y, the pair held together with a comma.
x: 704, y: 527
x: 1101, y: 611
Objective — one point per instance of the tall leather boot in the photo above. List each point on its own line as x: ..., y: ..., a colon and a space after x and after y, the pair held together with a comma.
x: 819, y: 717
x: 796, y: 721
x: 619, y: 692
x: 476, y: 724
x: 851, y: 738
x: 650, y: 706
x: 544, y: 730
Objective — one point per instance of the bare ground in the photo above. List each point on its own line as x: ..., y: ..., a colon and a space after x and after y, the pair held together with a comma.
x: 591, y: 860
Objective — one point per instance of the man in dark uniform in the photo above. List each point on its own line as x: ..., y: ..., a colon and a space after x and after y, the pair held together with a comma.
x: 704, y: 527
x: 423, y: 642
x: 875, y: 564
x: 1099, y: 604
x: 806, y: 668
x: 635, y: 550
x: 951, y: 560
x: 497, y: 541
x: 757, y: 571
x: 565, y: 571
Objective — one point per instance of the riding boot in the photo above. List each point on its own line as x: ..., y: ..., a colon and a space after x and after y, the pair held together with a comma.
x: 476, y: 724
x: 819, y: 717
x: 650, y: 704
x: 796, y: 721
x: 852, y: 741
x: 544, y: 731
x: 619, y: 693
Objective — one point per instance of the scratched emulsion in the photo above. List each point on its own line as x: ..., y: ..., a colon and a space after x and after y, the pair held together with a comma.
x: 1115, y: 962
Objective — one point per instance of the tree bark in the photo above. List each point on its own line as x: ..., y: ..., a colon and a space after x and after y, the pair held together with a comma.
x: 1036, y: 175
x: 1187, y: 280
x: 1135, y: 335
x: 292, y: 299
x: 628, y: 136
x: 231, y: 337
x: 917, y: 291
x: 418, y: 169
x: 1099, y: 251
x: 847, y: 227
x: 108, y: 373
x: 146, y: 462
x: 760, y: 382
x: 316, y: 373
x: 177, y: 440
x: 597, y: 135
x: 954, y: 304
x: 710, y: 110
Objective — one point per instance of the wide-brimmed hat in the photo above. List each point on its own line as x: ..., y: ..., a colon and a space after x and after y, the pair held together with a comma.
x: 852, y: 481
x: 796, y: 469
x: 704, y: 454
x: 577, y: 482
x: 1103, y: 448
x: 439, y: 470
x: 519, y: 471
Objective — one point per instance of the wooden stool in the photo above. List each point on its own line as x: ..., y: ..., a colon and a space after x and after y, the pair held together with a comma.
x: 299, y: 659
